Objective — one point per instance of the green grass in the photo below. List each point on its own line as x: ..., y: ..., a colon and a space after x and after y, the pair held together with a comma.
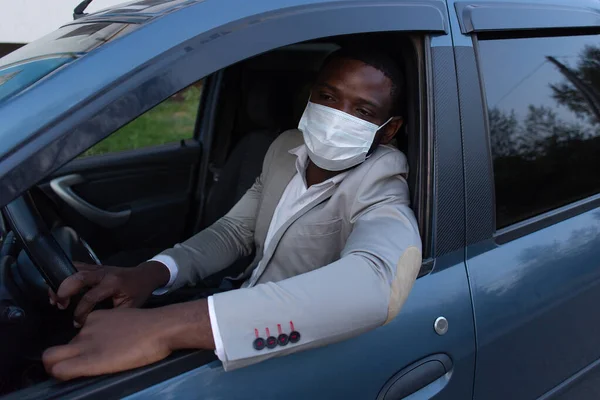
x: 170, y: 121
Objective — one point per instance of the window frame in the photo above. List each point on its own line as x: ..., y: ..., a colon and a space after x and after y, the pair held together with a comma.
x: 547, y: 218
x: 425, y: 183
x: 424, y: 94
x: 505, y: 16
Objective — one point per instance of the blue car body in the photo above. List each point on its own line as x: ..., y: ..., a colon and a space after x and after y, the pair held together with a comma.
x: 520, y: 301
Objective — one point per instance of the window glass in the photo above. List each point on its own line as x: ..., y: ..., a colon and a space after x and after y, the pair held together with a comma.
x: 543, y: 97
x: 172, y: 120
x: 34, y: 61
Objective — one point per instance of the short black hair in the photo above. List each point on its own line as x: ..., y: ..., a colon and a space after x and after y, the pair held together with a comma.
x: 379, y: 60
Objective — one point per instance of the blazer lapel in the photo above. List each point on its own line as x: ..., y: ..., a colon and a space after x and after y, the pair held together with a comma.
x: 275, y: 185
x: 281, y: 176
x: 280, y: 173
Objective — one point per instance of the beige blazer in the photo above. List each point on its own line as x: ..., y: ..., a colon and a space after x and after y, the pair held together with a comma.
x: 341, y: 266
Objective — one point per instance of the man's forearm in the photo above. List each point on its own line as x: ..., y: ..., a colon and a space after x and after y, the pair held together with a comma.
x: 187, y: 326
x: 124, y: 338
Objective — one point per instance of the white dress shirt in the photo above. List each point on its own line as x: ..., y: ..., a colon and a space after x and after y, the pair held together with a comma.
x: 294, y: 198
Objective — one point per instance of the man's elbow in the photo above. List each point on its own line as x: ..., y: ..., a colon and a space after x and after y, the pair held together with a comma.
x: 407, y: 270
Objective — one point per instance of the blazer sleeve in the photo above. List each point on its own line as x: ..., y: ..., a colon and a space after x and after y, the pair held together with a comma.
x: 364, y: 289
x: 218, y: 246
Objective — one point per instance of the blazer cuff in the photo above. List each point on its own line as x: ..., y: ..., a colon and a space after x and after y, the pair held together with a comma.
x: 171, y: 265
x: 219, y: 348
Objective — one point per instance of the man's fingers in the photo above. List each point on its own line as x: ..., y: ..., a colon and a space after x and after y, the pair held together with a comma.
x: 72, y: 368
x: 57, y: 354
x: 64, y: 302
x: 85, y: 364
x: 79, y: 266
x: 89, y: 300
x: 52, y: 296
x: 56, y: 301
x: 78, y: 281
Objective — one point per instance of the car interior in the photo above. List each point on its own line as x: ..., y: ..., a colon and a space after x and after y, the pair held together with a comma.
x: 172, y: 191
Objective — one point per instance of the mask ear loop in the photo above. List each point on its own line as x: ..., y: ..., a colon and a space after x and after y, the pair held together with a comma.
x: 385, y: 123
x: 378, y: 129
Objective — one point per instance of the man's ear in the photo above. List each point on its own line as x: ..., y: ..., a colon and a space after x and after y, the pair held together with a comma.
x: 390, y: 130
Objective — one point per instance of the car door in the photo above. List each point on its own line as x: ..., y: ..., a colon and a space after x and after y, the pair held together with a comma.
x: 133, y: 194
x: 429, y: 349
x: 529, y: 97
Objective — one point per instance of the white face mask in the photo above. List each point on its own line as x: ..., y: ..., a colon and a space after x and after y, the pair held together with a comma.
x: 336, y: 140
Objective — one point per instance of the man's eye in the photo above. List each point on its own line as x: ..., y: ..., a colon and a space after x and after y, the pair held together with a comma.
x: 364, y: 113
x: 325, y: 96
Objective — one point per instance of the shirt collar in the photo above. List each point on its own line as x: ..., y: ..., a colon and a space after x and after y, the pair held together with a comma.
x: 302, y: 162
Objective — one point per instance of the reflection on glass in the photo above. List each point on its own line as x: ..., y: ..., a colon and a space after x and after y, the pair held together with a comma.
x: 543, y: 97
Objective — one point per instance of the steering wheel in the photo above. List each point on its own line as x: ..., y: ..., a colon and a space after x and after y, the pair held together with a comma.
x: 51, y: 251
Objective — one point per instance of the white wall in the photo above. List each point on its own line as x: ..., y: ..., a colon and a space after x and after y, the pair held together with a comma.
x: 22, y: 21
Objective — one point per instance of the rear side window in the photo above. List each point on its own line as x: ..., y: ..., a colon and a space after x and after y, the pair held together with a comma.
x: 543, y: 98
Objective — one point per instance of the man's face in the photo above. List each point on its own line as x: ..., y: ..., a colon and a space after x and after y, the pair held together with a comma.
x: 360, y: 90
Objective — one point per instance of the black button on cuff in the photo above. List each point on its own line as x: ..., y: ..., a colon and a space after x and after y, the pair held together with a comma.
x: 294, y: 337
x: 283, y: 339
x: 259, y: 343
x: 271, y: 342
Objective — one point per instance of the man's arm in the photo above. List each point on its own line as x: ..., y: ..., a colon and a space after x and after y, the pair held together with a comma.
x: 125, y: 338
x: 364, y: 289
x: 359, y: 292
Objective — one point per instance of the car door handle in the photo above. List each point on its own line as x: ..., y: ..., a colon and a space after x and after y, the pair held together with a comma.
x: 421, y: 375
x: 107, y: 219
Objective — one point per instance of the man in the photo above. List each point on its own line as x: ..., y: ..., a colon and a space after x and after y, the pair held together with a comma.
x: 337, y: 245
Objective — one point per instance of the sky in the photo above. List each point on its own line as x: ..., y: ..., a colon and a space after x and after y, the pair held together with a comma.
x: 22, y: 21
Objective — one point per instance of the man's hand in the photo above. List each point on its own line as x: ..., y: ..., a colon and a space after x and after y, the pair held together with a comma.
x: 128, y: 287
x: 121, y: 339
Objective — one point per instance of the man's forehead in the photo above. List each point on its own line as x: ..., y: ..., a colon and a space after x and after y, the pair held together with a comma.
x: 348, y: 66
x: 356, y: 76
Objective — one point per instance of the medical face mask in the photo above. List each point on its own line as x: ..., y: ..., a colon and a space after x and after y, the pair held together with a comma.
x: 335, y: 140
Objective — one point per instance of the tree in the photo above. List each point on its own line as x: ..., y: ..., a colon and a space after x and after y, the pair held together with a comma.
x: 584, y: 103
x: 503, y: 129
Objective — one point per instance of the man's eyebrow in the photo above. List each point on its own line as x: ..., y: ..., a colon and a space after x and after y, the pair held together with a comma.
x: 327, y: 85
x: 371, y: 103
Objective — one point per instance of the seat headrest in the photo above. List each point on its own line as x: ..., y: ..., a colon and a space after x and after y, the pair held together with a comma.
x: 261, y: 104
x: 276, y: 100
x: 300, y: 100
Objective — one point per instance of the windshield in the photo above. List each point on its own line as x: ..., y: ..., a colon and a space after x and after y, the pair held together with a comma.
x: 16, y: 78
x: 27, y: 65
